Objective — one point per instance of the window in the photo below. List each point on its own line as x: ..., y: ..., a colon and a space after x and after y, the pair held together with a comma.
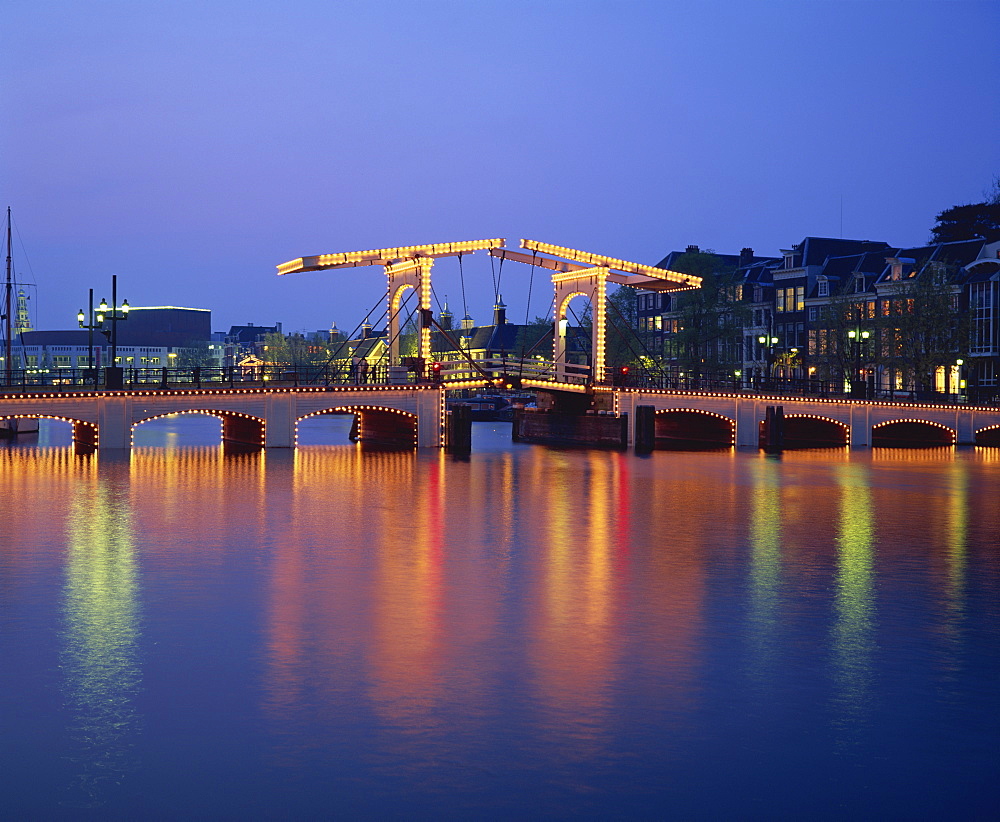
x: 813, y: 313
x: 823, y: 288
x: 981, y: 317
x: 800, y: 297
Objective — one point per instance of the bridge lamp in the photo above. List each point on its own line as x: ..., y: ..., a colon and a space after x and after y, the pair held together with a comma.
x: 103, y: 307
x: 125, y: 307
x: 80, y: 316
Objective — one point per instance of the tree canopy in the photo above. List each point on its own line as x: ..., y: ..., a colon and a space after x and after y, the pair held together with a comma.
x: 971, y: 221
x: 968, y: 222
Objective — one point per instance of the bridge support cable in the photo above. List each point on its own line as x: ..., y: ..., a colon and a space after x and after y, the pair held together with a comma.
x: 457, y: 347
x: 336, y: 354
x: 401, y: 327
x: 634, y: 336
x: 461, y: 277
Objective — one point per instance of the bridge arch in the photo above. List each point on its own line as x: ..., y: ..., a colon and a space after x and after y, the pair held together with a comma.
x: 374, y: 424
x: 815, y: 431
x: 692, y: 428
x: 237, y: 428
x: 912, y: 433
x: 988, y: 436
x: 85, y: 433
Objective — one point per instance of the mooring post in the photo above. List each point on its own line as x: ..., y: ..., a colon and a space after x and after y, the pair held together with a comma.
x: 459, y: 429
x: 645, y: 428
x: 774, y: 428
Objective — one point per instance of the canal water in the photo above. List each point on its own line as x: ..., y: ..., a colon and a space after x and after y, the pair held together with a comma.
x: 527, y: 632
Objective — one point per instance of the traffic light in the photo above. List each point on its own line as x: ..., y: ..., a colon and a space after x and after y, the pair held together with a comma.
x: 435, y: 372
x: 620, y: 375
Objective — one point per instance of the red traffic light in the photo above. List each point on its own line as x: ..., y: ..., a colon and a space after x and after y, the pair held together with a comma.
x: 435, y: 367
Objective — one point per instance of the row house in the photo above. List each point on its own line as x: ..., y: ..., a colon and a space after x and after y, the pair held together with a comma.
x: 838, y: 311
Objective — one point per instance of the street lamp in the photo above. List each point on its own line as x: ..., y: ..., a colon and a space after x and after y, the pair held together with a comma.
x: 858, y: 338
x: 90, y: 326
x: 768, y: 342
x: 114, y: 314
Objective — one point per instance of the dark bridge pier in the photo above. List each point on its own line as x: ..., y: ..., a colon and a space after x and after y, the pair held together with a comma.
x: 645, y: 428
x: 774, y: 429
x: 458, y: 436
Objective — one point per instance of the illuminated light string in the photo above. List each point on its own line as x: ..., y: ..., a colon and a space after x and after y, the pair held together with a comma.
x: 840, y: 424
x: 71, y: 420
x: 218, y: 414
x: 951, y: 431
x: 381, y: 256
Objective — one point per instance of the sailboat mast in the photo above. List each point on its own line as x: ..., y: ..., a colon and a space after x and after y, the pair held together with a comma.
x: 8, y: 341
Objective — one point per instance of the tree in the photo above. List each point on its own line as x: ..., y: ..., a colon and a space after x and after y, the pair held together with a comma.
x: 293, y: 351
x: 845, y: 340
x: 711, y: 318
x: 921, y: 328
x: 971, y: 221
x: 195, y: 355
x: 622, y: 345
x: 534, y: 339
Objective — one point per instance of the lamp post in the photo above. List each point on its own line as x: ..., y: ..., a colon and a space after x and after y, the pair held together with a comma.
x: 858, y: 337
x: 768, y: 342
x: 90, y: 326
x: 114, y: 314
x: 960, y: 387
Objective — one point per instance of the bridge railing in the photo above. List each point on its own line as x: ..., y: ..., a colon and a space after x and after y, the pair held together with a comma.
x: 333, y: 375
x: 513, y: 367
x: 794, y: 387
x: 59, y: 379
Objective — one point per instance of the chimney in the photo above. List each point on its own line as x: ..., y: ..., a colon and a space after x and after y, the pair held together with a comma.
x: 467, y: 323
x: 746, y: 256
x: 366, y: 330
x: 692, y: 249
x: 499, y: 312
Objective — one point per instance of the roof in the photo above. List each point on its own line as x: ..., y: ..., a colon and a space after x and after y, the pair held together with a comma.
x: 77, y: 337
x: 250, y: 333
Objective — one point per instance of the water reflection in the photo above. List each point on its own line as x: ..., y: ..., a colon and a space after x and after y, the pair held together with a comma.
x: 765, y: 565
x: 573, y: 646
x: 854, y: 624
x: 100, y: 658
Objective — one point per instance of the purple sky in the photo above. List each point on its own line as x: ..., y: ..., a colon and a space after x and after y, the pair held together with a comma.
x: 189, y: 147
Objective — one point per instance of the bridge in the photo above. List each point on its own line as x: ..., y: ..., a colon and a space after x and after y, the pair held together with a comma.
x: 406, y: 406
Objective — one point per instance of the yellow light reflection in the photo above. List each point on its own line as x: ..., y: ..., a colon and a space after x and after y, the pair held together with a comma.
x: 956, y: 539
x: 100, y: 657
x: 854, y: 605
x: 573, y: 648
x: 765, y: 563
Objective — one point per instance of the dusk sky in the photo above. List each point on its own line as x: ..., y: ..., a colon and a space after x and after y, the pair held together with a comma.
x: 190, y: 147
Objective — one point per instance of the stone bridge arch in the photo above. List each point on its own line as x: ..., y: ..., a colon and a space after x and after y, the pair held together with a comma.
x: 237, y: 428
x: 693, y: 428
x: 85, y: 432
x: 912, y: 433
x: 374, y: 424
x: 815, y: 431
x: 989, y: 437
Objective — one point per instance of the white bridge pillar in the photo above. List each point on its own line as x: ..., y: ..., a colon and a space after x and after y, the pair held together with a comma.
x: 279, y: 420
x: 430, y: 418
x: 114, y: 420
x: 861, y: 426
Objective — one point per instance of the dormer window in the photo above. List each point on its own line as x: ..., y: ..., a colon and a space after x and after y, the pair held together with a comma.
x: 823, y: 288
x: 859, y: 285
